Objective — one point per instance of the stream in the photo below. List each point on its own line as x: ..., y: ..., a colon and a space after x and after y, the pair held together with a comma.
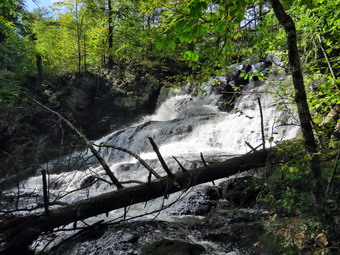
x: 183, y: 126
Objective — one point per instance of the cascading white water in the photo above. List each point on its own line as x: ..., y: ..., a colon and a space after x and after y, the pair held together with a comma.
x: 183, y: 126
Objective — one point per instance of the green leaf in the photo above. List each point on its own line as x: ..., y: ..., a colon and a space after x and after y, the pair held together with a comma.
x: 185, y: 37
x: 197, y: 9
x: 194, y: 57
x: 182, y: 37
x: 287, y: 4
x: 191, y: 56
x: 189, y: 38
x: 159, y: 44
x: 187, y: 55
x: 220, y: 27
x: 199, y: 30
x: 240, y: 15
x: 213, y: 16
x: 171, y: 45
x: 180, y: 25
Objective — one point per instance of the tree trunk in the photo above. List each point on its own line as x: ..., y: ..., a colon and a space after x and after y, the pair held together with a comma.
x: 305, y: 117
x: 85, y: 52
x: 110, y: 36
x: 33, y: 225
x: 38, y: 61
x: 78, y: 38
x: 300, y: 98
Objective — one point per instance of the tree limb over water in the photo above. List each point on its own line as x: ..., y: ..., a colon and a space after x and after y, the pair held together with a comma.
x: 22, y: 231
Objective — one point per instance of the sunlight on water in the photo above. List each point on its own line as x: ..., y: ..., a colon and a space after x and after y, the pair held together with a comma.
x: 182, y: 126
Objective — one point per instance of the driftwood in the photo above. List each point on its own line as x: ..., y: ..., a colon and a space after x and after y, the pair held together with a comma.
x: 20, y: 232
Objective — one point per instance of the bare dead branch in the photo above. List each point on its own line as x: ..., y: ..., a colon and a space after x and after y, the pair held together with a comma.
x: 203, y: 160
x: 146, y: 165
x: 262, y: 127
x: 159, y: 155
x: 179, y: 163
x: 45, y: 192
x: 25, y: 229
x: 251, y: 147
x: 205, y: 165
x: 335, y: 167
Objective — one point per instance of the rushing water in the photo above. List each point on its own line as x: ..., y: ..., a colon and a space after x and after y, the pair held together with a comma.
x: 183, y: 126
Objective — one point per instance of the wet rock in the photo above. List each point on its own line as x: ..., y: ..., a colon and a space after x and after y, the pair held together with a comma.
x: 172, y: 247
x: 88, y: 181
x: 200, y: 208
x: 213, y: 192
x: 263, y: 65
x: 228, y: 97
x: 241, y: 191
x: 220, y: 217
x: 4, y: 138
x: 220, y: 237
x: 196, y: 204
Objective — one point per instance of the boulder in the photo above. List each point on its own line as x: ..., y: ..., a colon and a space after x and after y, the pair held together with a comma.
x: 240, y: 191
x: 172, y: 247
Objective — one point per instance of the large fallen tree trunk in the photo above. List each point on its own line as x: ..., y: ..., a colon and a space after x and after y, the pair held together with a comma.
x: 21, y: 231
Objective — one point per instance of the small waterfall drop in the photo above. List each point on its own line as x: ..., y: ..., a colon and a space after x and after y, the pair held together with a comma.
x: 183, y: 126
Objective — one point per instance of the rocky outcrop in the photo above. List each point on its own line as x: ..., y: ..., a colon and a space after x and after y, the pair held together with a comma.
x: 239, y: 76
x: 96, y: 103
x: 223, y: 228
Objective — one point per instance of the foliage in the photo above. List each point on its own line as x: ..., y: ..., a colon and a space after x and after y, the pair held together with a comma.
x: 317, y: 24
x: 286, y: 190
x: 11, y: 15
x: 297, y: 235
x: 76, y: 36
x: 17, y: 53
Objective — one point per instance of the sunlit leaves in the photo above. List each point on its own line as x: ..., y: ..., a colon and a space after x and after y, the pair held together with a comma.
x: 197, y: 8
x: 185, y: 37
x: 171, y: 45
x: 160, y: 43
x: 166, y: 43
x: 180, y: 26
x: 191, y: 56
x: 220, y: 27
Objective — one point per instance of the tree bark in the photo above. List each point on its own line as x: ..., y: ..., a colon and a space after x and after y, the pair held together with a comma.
x: 45, y: 191
x: 78, y: 37
x: 39, y: 223
x: 110, y: 35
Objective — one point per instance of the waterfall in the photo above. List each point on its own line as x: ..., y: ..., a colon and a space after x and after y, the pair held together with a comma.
x: 183, y: 126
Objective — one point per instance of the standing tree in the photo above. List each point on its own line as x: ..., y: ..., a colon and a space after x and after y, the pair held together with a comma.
x: 304, y: 115
x: 110, y: 35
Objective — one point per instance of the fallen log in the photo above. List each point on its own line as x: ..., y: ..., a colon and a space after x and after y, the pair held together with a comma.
x: 39, y: 223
